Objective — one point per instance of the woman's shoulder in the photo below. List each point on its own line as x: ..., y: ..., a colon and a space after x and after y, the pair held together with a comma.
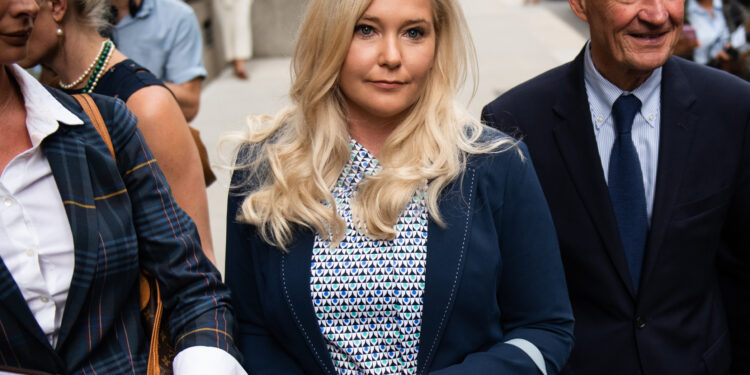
x: 496, y: 150
x: 108, y: 106
x: 120, y: 122
x: 125, y: 78
x: 506, y: 171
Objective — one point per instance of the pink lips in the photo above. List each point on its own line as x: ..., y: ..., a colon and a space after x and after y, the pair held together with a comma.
x: 387, y: 85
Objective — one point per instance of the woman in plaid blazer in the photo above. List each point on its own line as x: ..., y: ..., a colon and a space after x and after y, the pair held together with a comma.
x: 72, y: 306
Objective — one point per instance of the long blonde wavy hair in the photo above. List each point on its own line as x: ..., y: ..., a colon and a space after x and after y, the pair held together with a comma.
x: 291, y: 161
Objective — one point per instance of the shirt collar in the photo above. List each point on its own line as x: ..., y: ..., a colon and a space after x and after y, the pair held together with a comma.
x: 146, y: 7
x: 361, y: 162
x: 604, y: 93
x: 43, y: 111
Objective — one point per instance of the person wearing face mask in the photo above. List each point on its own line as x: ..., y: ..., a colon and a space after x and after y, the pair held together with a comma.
x: 81, y: 216
x: 645, y: 162
x: 374, y: 227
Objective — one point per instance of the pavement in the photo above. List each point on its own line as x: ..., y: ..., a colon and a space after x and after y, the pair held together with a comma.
x: 514, y: 42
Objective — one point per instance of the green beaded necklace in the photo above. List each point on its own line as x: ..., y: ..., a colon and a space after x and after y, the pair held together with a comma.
x: 101, y: 62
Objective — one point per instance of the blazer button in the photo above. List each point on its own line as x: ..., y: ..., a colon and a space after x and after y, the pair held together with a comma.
x: 640, y: 323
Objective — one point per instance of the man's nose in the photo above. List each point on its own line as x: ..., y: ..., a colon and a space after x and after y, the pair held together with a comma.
x: 654, y: 12
x: 28, y: 8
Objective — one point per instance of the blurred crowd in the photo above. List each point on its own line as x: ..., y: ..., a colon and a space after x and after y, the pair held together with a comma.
x: 716, y: 33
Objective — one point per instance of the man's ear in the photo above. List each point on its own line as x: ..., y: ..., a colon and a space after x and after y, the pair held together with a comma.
x: 579, y: 8
x: 59, y: 8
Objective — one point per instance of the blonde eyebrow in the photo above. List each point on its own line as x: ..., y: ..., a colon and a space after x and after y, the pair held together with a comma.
x: 408, y: 22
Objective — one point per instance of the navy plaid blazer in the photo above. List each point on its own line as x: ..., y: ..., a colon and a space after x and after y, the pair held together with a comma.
x: 123, y: 217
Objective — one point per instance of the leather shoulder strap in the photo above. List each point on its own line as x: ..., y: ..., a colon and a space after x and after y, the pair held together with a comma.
x: 88, y: 105
x: 149, y: 286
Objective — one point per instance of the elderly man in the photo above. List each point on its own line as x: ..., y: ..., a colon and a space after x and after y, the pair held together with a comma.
x: 645, y: 162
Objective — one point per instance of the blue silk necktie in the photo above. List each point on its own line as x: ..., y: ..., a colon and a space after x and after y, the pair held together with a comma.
x: 626, y: 186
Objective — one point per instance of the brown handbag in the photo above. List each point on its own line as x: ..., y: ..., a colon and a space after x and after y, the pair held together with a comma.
x: 208, y: 174
x: 161, y: 351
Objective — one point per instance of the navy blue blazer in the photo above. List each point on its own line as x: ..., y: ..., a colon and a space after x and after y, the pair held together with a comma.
x: 676, y: 323
x: 492, y: 274
x: 123, y: 218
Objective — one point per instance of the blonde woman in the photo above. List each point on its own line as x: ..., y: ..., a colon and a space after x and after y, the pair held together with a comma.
x: 376, y: 228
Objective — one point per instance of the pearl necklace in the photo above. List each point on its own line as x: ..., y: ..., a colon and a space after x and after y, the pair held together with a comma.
x: 68, y: 86
x: 100, y: 68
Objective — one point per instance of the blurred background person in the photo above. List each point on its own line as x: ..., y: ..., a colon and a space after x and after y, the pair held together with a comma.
x: 164, y: 37
x: 67, y: 40
x: 377, y: 223
x: 712, y: 32
x: 236, y: 35
x: 719, y: 34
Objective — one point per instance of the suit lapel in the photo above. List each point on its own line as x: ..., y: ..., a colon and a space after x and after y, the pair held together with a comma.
x: 446, y: 248
x: 677, y: 131
x: 575, y: 139
x: 67, y: 158
x: 13, y: 301
x: 295, y: 279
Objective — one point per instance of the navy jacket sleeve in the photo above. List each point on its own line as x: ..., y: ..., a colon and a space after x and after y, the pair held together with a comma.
x: 532, y: 293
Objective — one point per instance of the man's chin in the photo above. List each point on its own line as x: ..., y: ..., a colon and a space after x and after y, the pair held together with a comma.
x: 647, y: 62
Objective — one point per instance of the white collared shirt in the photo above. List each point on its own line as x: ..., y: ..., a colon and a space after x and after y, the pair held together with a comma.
x: 602, y: 95
x: 36, y: 243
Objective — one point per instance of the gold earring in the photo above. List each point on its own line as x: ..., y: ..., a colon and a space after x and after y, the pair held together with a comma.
x: 59, y: 32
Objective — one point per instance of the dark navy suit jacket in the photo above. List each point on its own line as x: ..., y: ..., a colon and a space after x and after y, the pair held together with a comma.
x: 676, y: 323
x: 123, y: 218
x: 492, y: 274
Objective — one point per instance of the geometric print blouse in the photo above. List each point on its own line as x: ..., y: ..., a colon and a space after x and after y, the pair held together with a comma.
x: 367, y: 294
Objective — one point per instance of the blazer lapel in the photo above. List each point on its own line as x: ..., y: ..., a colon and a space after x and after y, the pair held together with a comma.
x: 295, y: 279
x: 446, y: 248
x: 67, y: 157
x: 13, y: 301
x: 677, y: 131
x: 575, y: 139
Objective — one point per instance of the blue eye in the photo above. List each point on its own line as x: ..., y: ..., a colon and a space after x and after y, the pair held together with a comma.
x: 364, y: 30
x: 414, y: 33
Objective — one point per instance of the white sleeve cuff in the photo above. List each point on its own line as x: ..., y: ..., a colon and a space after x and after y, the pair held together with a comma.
x: 532, y: 351
x: 201, y: 360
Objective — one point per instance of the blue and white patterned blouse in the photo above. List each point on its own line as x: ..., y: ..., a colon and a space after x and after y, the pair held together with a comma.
x: 367, y: 294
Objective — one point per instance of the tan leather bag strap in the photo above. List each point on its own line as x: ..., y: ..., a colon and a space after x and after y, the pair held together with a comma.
x: 146, y: 294
x: 88, y: 105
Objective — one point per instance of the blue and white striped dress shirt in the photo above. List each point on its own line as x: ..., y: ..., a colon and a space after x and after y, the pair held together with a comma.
x: 602, y: 95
